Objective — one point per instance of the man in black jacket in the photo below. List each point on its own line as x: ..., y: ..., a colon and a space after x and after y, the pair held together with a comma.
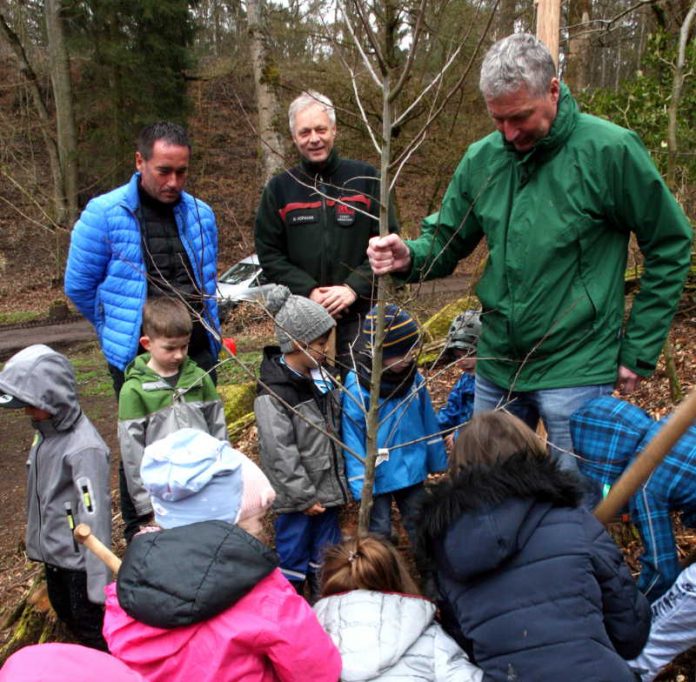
x: 314, y: 222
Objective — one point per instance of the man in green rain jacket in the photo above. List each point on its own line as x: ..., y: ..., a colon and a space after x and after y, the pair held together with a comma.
x: 557, y: 194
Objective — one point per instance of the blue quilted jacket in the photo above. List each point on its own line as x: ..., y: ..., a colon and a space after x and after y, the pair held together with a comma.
x: 106, y: 275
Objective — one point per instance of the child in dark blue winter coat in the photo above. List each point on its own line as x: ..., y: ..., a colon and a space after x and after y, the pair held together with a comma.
x: 534, y: 587
x: 460, y: 347
x: 408, y: 441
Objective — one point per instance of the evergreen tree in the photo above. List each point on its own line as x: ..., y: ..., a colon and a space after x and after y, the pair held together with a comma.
x: 136, y: 53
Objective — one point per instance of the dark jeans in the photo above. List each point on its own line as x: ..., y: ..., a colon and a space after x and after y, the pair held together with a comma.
x: 131, y: 520
x: 67, y: 592
x: 406, y: 500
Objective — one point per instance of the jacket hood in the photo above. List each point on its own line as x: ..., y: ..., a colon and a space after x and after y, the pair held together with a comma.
x: 280, y: 380
x: 373, y: 630
x: 484, y: 516
x: 43, y: 378
x: 607, y: 434
x: 151, y: 381
x: 222, y: 564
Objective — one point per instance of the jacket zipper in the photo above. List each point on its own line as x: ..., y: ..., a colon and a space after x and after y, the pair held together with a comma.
x: 36, y: 491
x: 323, y: 405
x: 323, y: 225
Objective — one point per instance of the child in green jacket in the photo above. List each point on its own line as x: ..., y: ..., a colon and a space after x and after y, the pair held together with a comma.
x: 164, y: 391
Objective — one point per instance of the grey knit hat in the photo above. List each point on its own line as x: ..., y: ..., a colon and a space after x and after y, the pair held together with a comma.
x: 297, y: 318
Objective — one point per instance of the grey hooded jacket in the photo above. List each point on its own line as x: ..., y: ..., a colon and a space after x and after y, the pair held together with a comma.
x: 67, y: 468
x: 302, y: 462
x: 387, y: 636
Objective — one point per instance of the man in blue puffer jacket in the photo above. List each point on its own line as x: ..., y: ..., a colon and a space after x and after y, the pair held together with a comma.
x: 146, y: 238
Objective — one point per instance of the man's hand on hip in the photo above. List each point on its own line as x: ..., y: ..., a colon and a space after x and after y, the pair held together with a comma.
x: 335, y: 298
x: 627, y: 381
x: 388, y: 254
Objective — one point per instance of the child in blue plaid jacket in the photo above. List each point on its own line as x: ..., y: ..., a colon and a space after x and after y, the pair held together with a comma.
x: 608, y: 434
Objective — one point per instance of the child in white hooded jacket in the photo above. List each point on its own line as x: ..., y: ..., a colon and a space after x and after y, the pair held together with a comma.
x: 384, y: 629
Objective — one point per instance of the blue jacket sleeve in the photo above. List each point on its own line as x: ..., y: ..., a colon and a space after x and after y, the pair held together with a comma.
x: 88, y: 258
x: 353, y: 428
x: 437, y: 456
x: 460, y: 404
x: 626, y: 610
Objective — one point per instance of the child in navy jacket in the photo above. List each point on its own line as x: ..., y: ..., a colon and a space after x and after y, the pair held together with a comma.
x: 533, y: 585
x: 462, y: 340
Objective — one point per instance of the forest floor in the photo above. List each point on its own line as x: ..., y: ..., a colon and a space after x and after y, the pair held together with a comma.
x: 17, y: 574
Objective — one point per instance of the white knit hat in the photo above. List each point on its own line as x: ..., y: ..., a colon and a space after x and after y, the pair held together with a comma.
x: 192, y: 476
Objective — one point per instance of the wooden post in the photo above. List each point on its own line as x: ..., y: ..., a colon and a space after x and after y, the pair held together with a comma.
x: 549, y: 25
x: 641, y: 468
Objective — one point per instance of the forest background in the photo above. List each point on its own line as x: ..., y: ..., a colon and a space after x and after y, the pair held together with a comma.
x: 79, y: 78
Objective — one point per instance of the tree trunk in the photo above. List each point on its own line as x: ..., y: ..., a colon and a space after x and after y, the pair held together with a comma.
x: 266, y: 101
x: 60, y: 208
x: 548, y: 25
x: 32, y: 621
x: 62, y: 94
x: 677, y: 87
x: 578, y: 70
x: 505, y: 19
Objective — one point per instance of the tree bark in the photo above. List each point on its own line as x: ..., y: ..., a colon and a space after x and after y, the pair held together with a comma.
x: 60, y: 208
x: 62, y: 94
x: 266, y: 101
x: 578, y: 71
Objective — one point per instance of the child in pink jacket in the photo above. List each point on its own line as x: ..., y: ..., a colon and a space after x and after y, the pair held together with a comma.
x: 203, y: 599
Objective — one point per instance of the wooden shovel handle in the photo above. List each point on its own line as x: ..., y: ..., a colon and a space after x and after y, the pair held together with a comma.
x: 83, y: 534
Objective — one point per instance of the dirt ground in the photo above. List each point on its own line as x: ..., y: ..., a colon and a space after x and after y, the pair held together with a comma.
x: 16, y: 434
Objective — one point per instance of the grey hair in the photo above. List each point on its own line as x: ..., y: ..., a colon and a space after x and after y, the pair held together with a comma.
x: 306, y: 100
x: 516, y: 61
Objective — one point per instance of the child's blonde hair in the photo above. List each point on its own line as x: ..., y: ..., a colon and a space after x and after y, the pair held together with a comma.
x: 368, y: 563
x: 492, y: 437
x: 165, y: 317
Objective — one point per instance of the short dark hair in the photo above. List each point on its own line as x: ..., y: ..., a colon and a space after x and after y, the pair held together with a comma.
x: 171, y: 133
x: 165, y: 317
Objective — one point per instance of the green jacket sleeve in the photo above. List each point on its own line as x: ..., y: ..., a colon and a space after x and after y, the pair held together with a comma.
x: 645, y: 206
x: 269, y: 236
x: 448, y: 235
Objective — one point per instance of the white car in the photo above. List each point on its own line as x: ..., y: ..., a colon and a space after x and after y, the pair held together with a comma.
x: 244, y: 281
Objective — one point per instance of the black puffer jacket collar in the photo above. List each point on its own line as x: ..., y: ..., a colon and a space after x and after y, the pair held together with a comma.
x: 494, y: 508
x: 188, y: 574
x: 279, y: 380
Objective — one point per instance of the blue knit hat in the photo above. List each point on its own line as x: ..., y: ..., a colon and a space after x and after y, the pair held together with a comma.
x: 192, y: 476
x: 402, y: 334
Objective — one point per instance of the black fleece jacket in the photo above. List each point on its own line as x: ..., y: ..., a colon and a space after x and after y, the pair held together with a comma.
x: 313, y: 225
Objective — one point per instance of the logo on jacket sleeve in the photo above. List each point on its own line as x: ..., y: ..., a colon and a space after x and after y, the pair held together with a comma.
x: 345, y: 215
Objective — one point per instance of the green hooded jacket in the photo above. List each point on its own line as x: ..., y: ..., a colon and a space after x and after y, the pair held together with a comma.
x: 149, y: 408
x: 557, y: 220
